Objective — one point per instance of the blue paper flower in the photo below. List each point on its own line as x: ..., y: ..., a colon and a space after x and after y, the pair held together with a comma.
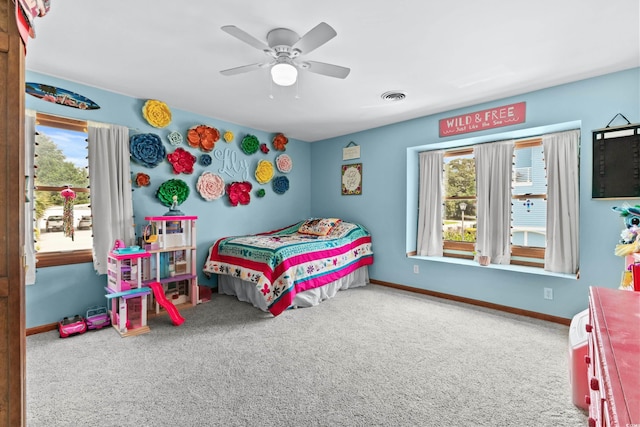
x: 205, y: 159
x: 147, y: 149
x: 280, y: 184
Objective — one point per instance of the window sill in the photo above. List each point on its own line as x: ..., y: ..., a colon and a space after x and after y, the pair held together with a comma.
x: 52, y: 259
x: 509, y: 267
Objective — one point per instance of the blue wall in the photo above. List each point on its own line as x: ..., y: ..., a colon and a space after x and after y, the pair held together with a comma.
x: 382, y: 207
x: 67, y: 290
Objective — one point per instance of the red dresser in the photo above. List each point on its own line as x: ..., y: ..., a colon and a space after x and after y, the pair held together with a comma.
x: 614, y: 358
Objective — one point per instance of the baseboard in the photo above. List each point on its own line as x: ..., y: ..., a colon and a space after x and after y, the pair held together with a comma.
x: 505, y: 308
x: 42, y: 328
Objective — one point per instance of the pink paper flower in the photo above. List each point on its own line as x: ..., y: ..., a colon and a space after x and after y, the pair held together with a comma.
x: 210, y: 186
x: 284, y: 163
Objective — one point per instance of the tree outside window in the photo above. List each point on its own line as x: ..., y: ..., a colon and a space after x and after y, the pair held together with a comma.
x: 61, y: 162
x: 460, y: 198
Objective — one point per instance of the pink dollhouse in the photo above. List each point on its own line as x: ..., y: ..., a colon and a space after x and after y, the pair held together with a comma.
x: 127, y: 296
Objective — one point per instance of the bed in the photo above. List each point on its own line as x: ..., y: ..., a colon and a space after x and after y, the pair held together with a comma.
x: 296, y: 266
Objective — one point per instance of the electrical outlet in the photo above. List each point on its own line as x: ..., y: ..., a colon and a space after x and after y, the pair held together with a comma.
x: 416, y: 269
x: 548, y: 293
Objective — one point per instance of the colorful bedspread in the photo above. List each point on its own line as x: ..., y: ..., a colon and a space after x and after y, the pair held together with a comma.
x: 284, y: 262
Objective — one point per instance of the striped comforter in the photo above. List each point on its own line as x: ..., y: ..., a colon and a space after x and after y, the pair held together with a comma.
x: 284, y: 262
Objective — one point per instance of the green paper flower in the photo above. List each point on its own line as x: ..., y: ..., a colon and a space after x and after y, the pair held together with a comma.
x: 170, y: 188
x: 250, y: 144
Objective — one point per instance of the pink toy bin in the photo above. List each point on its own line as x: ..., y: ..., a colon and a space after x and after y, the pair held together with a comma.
x: 578, y: 349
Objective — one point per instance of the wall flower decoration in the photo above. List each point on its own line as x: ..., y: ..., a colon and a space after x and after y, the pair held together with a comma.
x: 203, y: 137
x: 228, y: 136
x: 280, y: 184
x: 239, y: 193
x: 250, y: 144
x: 157, y: 113
x: 284, y: 163
x: 264, y: 148
x: 205, y: 159
x: 261, y: 192
x: 175, y: 138
x: 182, y: 161
x: 264, y: 171
x: 147, y: 149
x: 280, y: 142
x: 142, y: 179
x: 171, y: 188
x: 210, y: 186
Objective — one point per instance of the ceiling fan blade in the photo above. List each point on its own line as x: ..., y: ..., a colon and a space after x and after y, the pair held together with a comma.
x: 243, y: 69
x: 327, y: 69
x: 316, y: 37
x: 245, y: 37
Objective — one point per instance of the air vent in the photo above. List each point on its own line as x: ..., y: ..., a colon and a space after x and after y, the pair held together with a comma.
x: 393, y: 96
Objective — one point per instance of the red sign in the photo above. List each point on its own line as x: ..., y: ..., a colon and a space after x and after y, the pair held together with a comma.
x: 482, y: 120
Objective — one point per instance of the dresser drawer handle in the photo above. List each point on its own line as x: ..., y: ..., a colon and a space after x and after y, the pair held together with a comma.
x: 588, y: 327
x: 594, y: 384
x: 587, y: 360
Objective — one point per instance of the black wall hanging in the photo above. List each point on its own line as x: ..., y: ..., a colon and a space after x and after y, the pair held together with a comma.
x: 616, y: 161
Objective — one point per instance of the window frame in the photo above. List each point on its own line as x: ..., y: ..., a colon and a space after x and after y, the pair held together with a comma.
x: 56, y: 258
x: 455, y: 249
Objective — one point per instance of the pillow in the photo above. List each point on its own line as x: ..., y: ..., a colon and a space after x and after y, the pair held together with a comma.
x: 318, y: 226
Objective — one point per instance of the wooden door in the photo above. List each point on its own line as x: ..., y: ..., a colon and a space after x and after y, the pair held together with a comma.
x: 12, y: 320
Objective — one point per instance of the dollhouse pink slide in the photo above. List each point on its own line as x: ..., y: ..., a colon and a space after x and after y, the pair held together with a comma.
x: 173, y: 312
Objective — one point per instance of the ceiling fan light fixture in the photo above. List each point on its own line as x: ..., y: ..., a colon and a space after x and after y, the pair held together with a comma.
x: 284, y: 74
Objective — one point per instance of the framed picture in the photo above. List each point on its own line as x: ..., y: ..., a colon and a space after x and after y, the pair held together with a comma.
x: 352, y: 179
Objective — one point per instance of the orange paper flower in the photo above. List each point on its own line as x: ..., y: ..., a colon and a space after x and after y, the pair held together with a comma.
x: 280, y: 142
x: 142, y: 179
x: 203, y: 137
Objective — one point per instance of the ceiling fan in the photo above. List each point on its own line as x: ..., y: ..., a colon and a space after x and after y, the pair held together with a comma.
x: 285, y: 46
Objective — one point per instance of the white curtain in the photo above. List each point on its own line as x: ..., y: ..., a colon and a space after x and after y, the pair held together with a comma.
x: 29, y: 223
x: 430, y: 204
x: 563, y: 199
x: 110, y: 180
x: 493, y: 189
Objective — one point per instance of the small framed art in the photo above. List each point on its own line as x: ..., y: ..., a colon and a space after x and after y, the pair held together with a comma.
x: 352, y: 179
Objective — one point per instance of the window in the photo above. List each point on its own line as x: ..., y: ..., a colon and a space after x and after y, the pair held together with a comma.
x: 459, y: 204
x: 61, y: 161
x: 515, y: 190
x: 528, y: 210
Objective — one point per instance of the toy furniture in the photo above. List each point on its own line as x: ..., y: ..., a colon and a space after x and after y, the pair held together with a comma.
x: 127, y: 296
x: 171, y: 242
x: 613, y: 349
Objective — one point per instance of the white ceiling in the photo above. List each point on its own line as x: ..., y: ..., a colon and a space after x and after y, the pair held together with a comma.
x: 443, y: 54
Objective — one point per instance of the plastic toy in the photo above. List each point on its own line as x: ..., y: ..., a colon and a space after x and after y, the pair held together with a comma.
x: 72, y: 326
x: 628, y: 245
x: 173, y: 312
x: 97, y: 317
x: 127, y: 298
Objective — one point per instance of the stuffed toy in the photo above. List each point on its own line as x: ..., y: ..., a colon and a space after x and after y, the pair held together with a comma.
x: 629, y: 242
